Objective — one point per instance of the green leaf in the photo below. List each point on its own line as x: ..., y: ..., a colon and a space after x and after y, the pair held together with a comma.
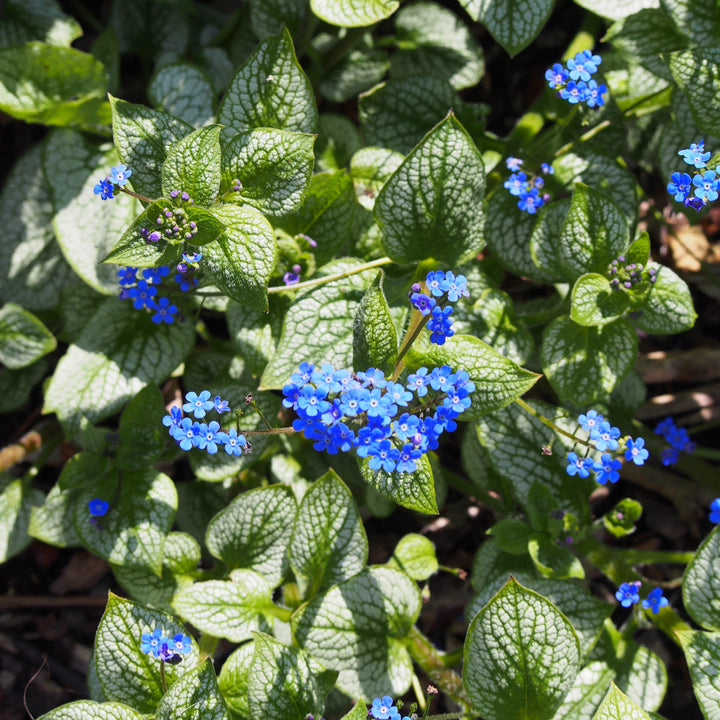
x: 85, y: 226
x: 593, y: 234
x: 498, y: 380
x: 434, y: 41
x: 698, y: 20
x: 16, y: 502
x: 181, y: 555
x: 274, y: 168
x: 584, y: 364
x: 253, y: 531
x: 233, y: 680
x: 16, y: 385
x: 254, y: 333
x: 586, y: 693
x: 338, y: 139
x: 319, y: 322
x: 370, y: 168
x: 697, y: 72
x: 52, y: 521
x: 620, y: 521
x: 25, y: 20
x: 182, y: 90
x: 143, y: 137
x: 141, y: 433
x: 52, y: 85
x: 511, y: 535
x: 326, y: 214
x: 243, y: 258
x: 268, y: 16
x: 415, y: 490
x: 415, y: 556
x: 83, y: 469
x: 358, y: 628
x: 374, y: 333
x: 423, y: 211
x: 701, y: 583
x: 269, y: 90
x: 32, y: 268
x: 83, y: 709
x: 397, y: 114
x: 284, y: 683
x: 358, y: 712
x: 702, y: 651
x: 521, y: 656
x: 553, y: 560
x: 618, y: 706
x: 195, y: 696
x: 358, y: 71
x: 639, y: 250
x: 119, y: 352
x: 667, y: 306
x: 353, y: 13
x: 594, y: 302
x: 328, y: 543
x: 193, y: 165
x: 512, y: 23
x: 23, y: 337
x: 544, y: 239
x: 133, y: 531
x: 232, y: 609
x: 127, y: 674
x: 616, y: 9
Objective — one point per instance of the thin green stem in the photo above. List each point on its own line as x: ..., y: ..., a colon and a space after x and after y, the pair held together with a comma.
x: 163, y: 681
x: 135, y: 195
x: 550, y: 423
x: 583, y: 138
x: 329, y: 278
x: 630, y: 555
x: 271, y: 431
x: 262, y: 417
x: 281, y: 613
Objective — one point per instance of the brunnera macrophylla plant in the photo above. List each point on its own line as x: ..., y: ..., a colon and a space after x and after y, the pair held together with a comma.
x: 260, y: 320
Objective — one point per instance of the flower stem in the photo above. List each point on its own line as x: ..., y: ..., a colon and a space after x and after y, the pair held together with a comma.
x: 329, y: 278
x: 135, y: 195
x: 550, y: 423
x: 163, y: 681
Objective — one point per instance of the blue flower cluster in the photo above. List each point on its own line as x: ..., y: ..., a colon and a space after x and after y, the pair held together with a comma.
x: 384, y: 709
x: 628, y: 275
x: 118, y: 177
x: 606, y: 440
x: 572, y: 82
x: 189, y: 433
x: 444, y: 289
x: 628, y: 594
x: 365, y: 412
x: 703, y: 187
x: 677, y: 437
x: 167, y: 649
x: 527, y: 189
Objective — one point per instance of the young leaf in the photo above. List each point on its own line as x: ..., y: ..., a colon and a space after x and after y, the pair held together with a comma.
x: 141, y: 433
x: 274, y: 168
x: 667, y: 306
x: 195, y: 696
x: 16, y: 502
x: 370, y: 168
x: 243, y: 258
x: 193, y: 166
x: 185, y: 91
x: 584, y: 364
x: 415, y: 556
x: 521, y: 656
x: 127, y: 674
x: 620, y: 521
x: 353, y: 13
x: 82, y: 709
x: 119, y: 352
x: 423, y: 211
x: 254, y: 531
x: 594, y: 302
x: 328, y: 543
x: 553, y: 560
x: 23, y: 337
x: 52, y: 521
x: 358, y: 628
x: 618, y: 706
x: 299, y: 684
x: 374, y: 333
x: 269, y: 90
x: 701, y: 583
x: 143, y: 137
x: 232, y: 609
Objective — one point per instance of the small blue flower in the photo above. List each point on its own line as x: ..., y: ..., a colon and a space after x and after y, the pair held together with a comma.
x: 186, y: 433
x: 220, y: 406
x: 574, y: 92
x: 440, y: 324
x: 590, y: 421
x: 679, y: 186
x: 594, y: 94
x: 583, y: 65
x: 142, y: 295
x: 655, y: 601
x: 456, y: 286
x: 154, y: 276
x: 127, y: 276
x: 547, y: 169
x: 715, y: 511
x: 627, y: 594
x: 104, y: 189
x: 150, y: 642
x: 164, y: 312
x: 384, y: 456
x: 198, y: 405
x: 530, y: 201
x: 513, y: 163
x: 232, y: 442
x: 423, y: 303
x: 516, y: 184
x: 669, y: 456
x: 382, y: 708
x: 119, y: 175
x: 434, y: 283
x: 605, y: 436
x: 180, y: 644
x: 556, y: 76
x: 417, y: 382
x: 98, y: 507
x: 706, y: 186
x: 695, y: 155
x: 578, y: 465
x: 173, y: 420
x: 607, y: 469
x: 636, y: 451
x: 210, y: 437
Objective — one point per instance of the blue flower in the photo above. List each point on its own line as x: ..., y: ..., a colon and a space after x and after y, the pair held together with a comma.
x: 220, y: 406
x: 209, y: 437
x: 417, y: 382
x: 186, y: 433
x: 574, y: 92
x: 440, y: 324
x: 679, y: 186
x: 126, y: 276
x: 164, y: 312
x: 154, y: 276
x: 143, y: 295
x: 98, y: 507
x: 695, y: 155
x: 669, y: 456
x: 636, y: 451
x: 312, y: 401
x: 180, y: 644
x: 434, y: 283
x: 150, y: 642
x: 198, y: 405
x: 530, y: 201
x: 119, y: 175
x: 513, y: 163
x: 578, y: 466
x: 715, y: 511
x: 706, y: 186
x: 382, y: 708
x: 104, y: 189
x: 594, y: 94
x: 384, y: 456
x: 607, y: 469
x: 516, y: 184
x: 185, y: 283
x: 655, y: 601
x: 590, y: 421
x: 547, y: 169
x: 627, y: 594
x: 423, y: 303
x: 456, y: 286
x: 173, y: 420
x: 556, y: 76
x: 605, y: 436
x: 232, y: 442
x: 583, y: 65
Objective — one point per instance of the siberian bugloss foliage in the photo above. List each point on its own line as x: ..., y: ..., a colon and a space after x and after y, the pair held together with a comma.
x: 317, y: 277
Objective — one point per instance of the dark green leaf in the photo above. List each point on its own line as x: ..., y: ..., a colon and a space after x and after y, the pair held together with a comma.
x: 374, y: 333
